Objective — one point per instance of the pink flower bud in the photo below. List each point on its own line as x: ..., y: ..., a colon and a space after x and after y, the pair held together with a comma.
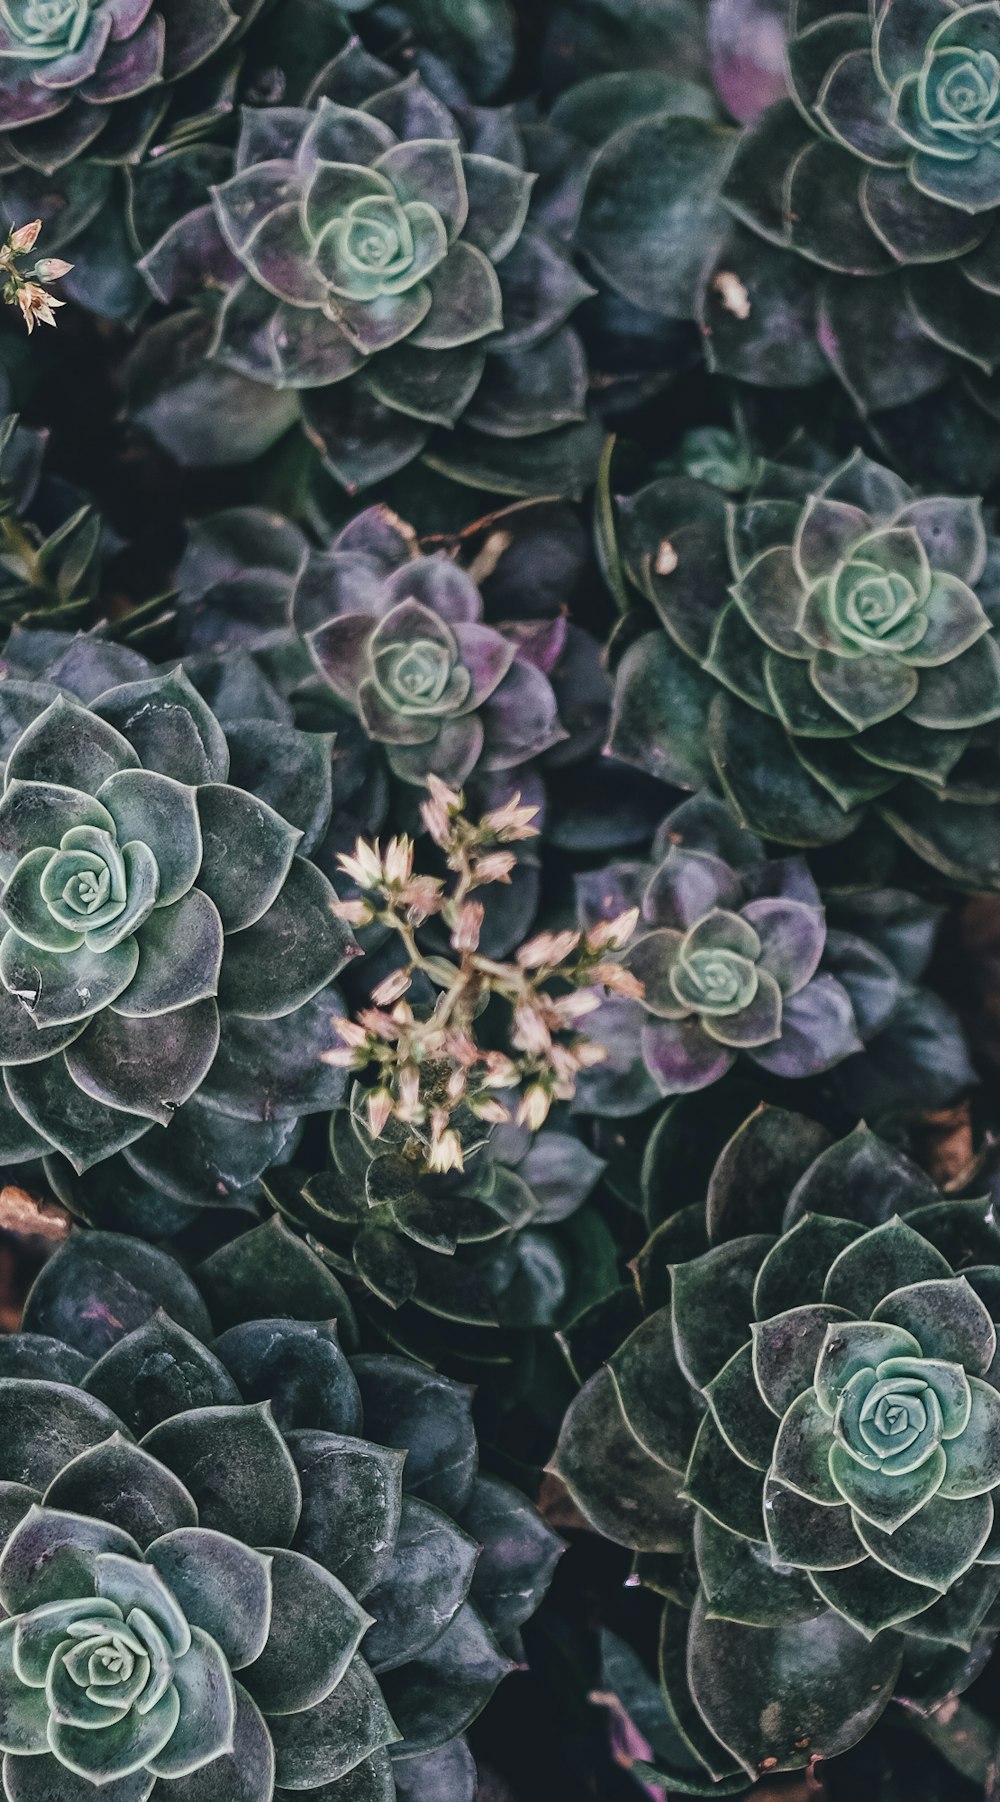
x: 379, y: 1111
x: 24, y: 237
x: 467, y: 928
x: 391, y: 988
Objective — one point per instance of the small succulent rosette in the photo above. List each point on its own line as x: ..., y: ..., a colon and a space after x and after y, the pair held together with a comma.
x: 853, y: 669
x: 729, y: 952
x: 167, y: 948
x: 811, y: 1405
x: 387, y: 273
x: 457, y: 1268
x: 395, y: 645
x: 274, y: 1570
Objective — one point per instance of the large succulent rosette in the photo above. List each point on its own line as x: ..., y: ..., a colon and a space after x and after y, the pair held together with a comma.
x: 461, y: 1268
x: 853, y: 667
x: 272, y: 1570
x: 95, y: 76
x: 167, y: 948
x: 881, y: 173
x: 386, y: 268
x: 810, y: 1408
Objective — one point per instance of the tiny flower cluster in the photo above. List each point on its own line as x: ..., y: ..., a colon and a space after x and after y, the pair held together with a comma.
x: 427, y: 1062
x: 22, y: 287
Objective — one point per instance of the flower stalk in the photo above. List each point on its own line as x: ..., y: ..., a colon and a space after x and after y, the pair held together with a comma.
x: 427, y: 1061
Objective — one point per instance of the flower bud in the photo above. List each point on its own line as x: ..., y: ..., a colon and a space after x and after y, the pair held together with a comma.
x: 468, y: 926
x: 613, y: 934
x: 391, y: 987
x: 24, y: 237
x: 379, y: 1111
x: 49, y: 269
x: 534, y: 1107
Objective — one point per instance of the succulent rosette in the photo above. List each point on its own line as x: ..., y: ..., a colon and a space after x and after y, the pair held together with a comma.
x: 854, y: 667
x: 386, y: 267
x: 273, y: 1571
x: 167, y: 948
x: 458, y: 1268
x: 382, y: 635
x: 881, y: 172
x: 77, y: 76
x: 741, y: 965
x: 810, y: 1406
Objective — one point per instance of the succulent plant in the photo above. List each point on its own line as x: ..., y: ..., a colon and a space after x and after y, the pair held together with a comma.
x: 452, y: 1265
x: 167, y: 948
x: 53, y: 543
x: 880, y: 172
x: 371, y: 630
x: 96, y: 78
x: 387, y: 269
x: 271, y: 1570
x: 860, y: 188
x: 737, y: 958
x: 808, y: 1411
x: 854, y: 666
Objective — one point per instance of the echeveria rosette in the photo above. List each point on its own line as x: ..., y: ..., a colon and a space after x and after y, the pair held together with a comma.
x: 854, y: 665
x: 272, y: 1570
x: 882, y: 168
x: 729, y: 952
x: 385, y: 266
x: 459, y: 1268
x: 381, y: 635
x: 75, y: 71
x: 442, y: 691
x: 166, y: 945
x: 810, y: 1406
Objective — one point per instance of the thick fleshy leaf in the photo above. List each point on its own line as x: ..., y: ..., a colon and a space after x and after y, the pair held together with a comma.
x: 873, y: 1598
x: 438, y: 1694
x: 207, y: 1722
x: 809, y: 1535
x: 518, y: 1554
x: 70, y: 747
x: 147, y: 1066
x: 803, y: 1449
x: 246, y: 1774
x: 298, y: 946
x: 891, y: 1257
x: 712, y: 1305
x: 764, y: 1691
x: 423, y: 1588
x: 46, y: 1096
x: 248, y: 852
x: 351, y: 1502
x: 741, y: 1583
x: 46, y: 1779
x: 938, y: 1545
x: 118, y: 1482
x: 316, y: 1629
x: 947, y: 1317
x: 237, y: 1467
x: 99, y: 1287
x: 428, y: 1416
x: 223, y: 1587
x: 794, y: 1271
x: 162, y: 814
x: 180, y: 956
x: 973, y: 1459
x: 624, y: 1492
x: 742, y: 1416
x: 857, y: 1345
x: 51, y: 1554
x: 299, y: 1368
x: 170, y: 726
x: 465, y: 302
x: 36, y: 813
x: 324, y: 1743
x: 785, y: 1349
x: 655, y: 1398
x: 886, y: 1502
x: 723, y: 1486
